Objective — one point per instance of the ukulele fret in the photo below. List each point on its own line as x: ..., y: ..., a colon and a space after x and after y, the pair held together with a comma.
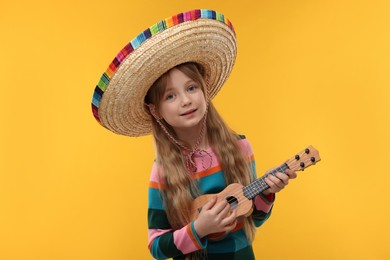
x: 250, y: 191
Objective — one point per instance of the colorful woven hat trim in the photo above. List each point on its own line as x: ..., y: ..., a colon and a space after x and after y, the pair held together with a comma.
x: 137, y: 41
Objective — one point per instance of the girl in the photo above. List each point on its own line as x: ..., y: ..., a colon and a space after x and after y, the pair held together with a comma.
x: 163, y: 82
x: 185, y: 121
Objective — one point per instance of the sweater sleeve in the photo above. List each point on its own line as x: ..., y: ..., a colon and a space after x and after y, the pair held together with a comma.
x: 262, y: 208
x: 164, y: 242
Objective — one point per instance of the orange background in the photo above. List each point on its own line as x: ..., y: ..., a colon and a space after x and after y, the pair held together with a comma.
x: 307, y: 73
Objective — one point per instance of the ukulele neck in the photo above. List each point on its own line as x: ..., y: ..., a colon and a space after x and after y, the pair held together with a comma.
x: 250, y: 191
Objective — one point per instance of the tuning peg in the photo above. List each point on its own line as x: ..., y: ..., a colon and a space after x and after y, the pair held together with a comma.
x: 307, y: 150
x: 297, y: 157
x: 302, y: 164
x: 312, y: 159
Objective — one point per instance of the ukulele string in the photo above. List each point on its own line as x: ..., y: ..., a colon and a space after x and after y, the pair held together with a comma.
x: 239, y: 195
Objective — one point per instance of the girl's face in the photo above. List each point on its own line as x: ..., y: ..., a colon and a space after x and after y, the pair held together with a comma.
x: 183, y: 104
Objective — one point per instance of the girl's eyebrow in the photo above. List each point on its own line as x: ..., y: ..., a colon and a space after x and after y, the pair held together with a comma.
x: 185, y: 83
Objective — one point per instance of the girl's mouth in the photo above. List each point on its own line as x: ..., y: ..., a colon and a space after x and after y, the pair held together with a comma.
x: 188, y: 112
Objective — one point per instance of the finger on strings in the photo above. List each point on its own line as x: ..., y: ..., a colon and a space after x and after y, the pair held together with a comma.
x: 220, y: 206
x: 275, y: 182
x: 291, y: 174
x: 283, y: 177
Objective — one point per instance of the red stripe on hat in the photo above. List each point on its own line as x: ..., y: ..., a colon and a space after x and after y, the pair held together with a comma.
x: 175, y: 20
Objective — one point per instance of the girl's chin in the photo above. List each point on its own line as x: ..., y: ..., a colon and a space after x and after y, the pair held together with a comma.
x: 188, y: 126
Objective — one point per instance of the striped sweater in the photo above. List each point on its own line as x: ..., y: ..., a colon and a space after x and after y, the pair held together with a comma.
x: 164, y: 242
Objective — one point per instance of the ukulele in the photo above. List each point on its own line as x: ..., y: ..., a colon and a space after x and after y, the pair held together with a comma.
x: 240, y: 197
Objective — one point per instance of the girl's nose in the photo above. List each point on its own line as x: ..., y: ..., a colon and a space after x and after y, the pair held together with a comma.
x: 185, y: 100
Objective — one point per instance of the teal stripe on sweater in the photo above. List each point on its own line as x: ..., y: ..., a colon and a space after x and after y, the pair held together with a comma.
x: 213, y: 183
x: 232, y: 242
x: 155, y: 200
x: 155, y: 250
x: 260, y: 217
x: 243, y: 254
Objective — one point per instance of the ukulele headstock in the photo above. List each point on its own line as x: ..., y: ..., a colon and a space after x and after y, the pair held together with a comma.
x: 304, y: 159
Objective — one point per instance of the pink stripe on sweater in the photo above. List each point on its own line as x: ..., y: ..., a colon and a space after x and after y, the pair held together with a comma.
x: 183, y: 241
x: 260, y: 204
x: 153, y: 233
x: 203, y: 161
x: 246, y: 147
x: 156, y: 172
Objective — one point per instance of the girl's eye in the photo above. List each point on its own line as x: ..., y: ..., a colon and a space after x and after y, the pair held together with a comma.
x: 192, y: 88
x: 169, y: 97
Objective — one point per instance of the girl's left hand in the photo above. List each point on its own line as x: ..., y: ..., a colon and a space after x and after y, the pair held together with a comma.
x: 279, y: 181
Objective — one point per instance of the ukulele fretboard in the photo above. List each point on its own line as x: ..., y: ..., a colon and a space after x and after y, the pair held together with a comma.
x: 259, y: 185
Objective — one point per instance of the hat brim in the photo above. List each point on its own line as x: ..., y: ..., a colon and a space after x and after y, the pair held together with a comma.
x: 208, y: 42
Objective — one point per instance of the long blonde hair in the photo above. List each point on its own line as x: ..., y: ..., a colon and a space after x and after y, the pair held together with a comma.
x: 180, y: 189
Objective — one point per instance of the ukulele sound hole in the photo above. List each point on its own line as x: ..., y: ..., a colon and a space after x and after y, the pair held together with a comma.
x: 233, y: 202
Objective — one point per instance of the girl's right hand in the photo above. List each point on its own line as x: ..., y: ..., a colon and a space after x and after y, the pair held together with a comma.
x: 215, y: 217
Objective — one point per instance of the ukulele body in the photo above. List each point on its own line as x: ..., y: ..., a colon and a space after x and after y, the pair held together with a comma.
x: 233, y: 194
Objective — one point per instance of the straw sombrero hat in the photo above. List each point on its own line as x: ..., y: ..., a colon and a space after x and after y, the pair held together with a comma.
x: 202, y: 36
